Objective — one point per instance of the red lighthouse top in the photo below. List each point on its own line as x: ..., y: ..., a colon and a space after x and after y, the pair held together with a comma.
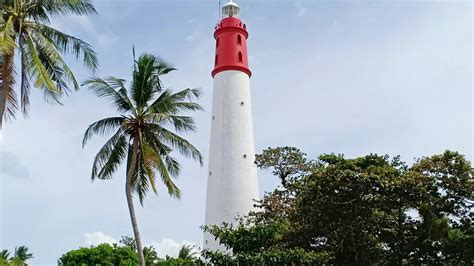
x: 231, y: 42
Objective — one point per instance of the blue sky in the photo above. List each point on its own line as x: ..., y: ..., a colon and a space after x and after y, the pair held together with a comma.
x: 352, y: 77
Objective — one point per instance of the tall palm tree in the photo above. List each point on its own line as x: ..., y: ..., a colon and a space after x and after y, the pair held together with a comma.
x: 25, y: 30
x: 143, y: 131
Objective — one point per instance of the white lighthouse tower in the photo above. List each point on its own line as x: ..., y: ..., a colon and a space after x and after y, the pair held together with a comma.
x: 232, y: 183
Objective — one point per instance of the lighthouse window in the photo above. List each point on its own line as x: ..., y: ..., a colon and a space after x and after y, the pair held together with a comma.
x: 217, y: 42
x: 239, y: 39
x: 245, y: 156
x: 241, y: 103
x: 240, y: 57
x: 216, y: 60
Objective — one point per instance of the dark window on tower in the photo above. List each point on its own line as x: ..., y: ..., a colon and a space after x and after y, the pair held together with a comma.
x: 215, y: 63
x: 217, y: 42
x: 239, y: 39
x: 240, y: 57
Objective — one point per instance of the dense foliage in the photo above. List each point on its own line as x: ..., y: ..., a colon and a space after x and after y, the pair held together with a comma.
x: 103, y: 254
x: 362, y: 211
x: 125, y: 253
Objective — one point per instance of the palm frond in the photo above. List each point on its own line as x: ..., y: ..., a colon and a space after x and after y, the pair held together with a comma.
x: 22, y: 253
x: 146, y: 78
x: 106, y: 88
x: 144, y: 177
x: 38, y: 70
x: 68, y: 44
x: 7, y: 90
x: 183, y: 123
x: 177, y: 142
x: 4, y: 254
x: 11, y: 105
x: 145, y: 81
x: 7, y: 37
x: 187, y: 252
x: 155, y: 162
x: 111, y: 154
x: 173, y: 166
x: 25, y: 81
x: 55, y: 66
x: 42, y: 9
x: 102, y: 127
x: 175, y: 103
x: 53, y: 57
x: 114, y: 158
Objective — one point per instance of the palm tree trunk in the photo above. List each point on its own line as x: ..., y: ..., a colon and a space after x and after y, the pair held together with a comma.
x: 131, y: 208
x: 6, y: 78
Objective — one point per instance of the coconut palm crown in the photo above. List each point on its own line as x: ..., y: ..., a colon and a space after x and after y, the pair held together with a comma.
x: 144, y: 134
x: 21, y: 255
x: 187, y: 253
x: 25, y: 31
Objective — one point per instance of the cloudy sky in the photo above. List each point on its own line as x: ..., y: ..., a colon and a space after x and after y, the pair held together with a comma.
x: 352, y: 77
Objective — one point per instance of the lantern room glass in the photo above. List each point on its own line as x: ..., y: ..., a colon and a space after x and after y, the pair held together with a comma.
x: 230, y: 9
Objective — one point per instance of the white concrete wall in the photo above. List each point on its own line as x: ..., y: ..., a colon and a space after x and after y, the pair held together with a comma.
x: 232, y: 177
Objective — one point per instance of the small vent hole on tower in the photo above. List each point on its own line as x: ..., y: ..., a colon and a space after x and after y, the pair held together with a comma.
x: 210, y: 173
x: 213, y: 117
x: 241, y: 103
x: 245, y: 156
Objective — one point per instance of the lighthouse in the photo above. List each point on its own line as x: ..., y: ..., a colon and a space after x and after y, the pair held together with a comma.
x: 232, y: 183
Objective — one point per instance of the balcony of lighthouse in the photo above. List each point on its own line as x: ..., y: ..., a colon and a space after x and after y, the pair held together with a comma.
x: 231, y: 24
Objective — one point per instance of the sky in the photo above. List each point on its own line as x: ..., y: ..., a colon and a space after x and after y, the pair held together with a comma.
x: 351, y: 77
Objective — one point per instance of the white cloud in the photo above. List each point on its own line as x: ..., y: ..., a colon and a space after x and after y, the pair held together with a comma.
x: 301, y: 10
x: 170, y: 247
x: 106, y: 40
x: 96, y: 238
x: 193, y: 36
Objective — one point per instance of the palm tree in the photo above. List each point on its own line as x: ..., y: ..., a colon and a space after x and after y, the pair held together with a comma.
x: 187, y: 253
x: 143, y: 131
x: 4, y: 254
x: 25, y: 30
x: 20, y: 256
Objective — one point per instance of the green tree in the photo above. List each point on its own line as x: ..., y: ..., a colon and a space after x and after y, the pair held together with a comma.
x: 151, y: 256
x: 4, y: 257
x: 20, y: 255
x: 187, y: 252
x: 128, y: 242
x: 5, y: 254
x: 286, y: 162
x: 149, y: 253
x: 103, y: 254
x: 357, y: 211
x: 141, y: 132
x: 25, y: 30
